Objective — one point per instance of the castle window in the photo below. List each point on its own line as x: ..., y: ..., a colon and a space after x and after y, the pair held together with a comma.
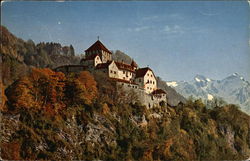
x: 153, y: 82
x: 151, y: 75
x: 114, y: 72
x: 123, y: 77
x: 123, y: 72
x: 150, y: 82
x: 111, y: 71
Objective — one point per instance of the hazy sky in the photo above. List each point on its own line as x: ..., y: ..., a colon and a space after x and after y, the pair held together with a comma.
x: 176, y: 39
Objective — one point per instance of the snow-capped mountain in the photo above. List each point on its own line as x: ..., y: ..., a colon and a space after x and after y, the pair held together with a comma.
x: 233, y: 89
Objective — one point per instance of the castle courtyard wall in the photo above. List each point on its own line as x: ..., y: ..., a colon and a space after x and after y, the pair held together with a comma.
x: 144, y: 98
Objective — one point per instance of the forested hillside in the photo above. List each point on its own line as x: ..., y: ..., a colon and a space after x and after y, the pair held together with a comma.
x: 53, y: 116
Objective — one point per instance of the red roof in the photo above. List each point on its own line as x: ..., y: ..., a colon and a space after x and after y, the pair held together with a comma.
x: 142, y: 72
x: 97, y: 46
x: 124, y: 81
x: 124, y: 66
x: 103, y: 65
x: 158, y: 91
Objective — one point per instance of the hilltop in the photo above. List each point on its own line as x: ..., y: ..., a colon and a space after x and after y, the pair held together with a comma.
x: 19, y: 56
x: 49, y: 115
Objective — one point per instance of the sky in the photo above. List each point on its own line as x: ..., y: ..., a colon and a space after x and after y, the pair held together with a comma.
x: 177, y: 40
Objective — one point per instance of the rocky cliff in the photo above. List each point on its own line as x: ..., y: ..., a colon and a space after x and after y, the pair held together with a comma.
x: 48, y: 123
x: 18, y: 55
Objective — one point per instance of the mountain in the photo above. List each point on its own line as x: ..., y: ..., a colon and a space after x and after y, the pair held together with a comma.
x: 234, y: 89
x: 121, y: 57
x: 18, y: 55
x: 173, y: 97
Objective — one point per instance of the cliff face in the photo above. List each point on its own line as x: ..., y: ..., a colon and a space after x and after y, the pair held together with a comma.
x: 43, y: 121
x: 127, y: 133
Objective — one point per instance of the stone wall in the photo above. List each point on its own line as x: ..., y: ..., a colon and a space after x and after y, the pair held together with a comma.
x: 71, y: 68
x: 144, y: 98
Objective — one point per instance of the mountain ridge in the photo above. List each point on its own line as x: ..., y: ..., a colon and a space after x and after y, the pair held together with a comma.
x: 233, y: 89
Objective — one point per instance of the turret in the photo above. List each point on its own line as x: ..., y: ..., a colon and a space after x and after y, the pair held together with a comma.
x: 134, y: 65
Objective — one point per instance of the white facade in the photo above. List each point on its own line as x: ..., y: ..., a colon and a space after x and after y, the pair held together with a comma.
x: 118, y: 70
x: 105, y: 56
x: 126, y: 75
x: 97, y: 60
x: 148, y: 82
x: 123, y: 74
x: 113, y: 71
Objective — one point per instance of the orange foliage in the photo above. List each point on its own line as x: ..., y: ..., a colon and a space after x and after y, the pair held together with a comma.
x: 167, y: 151
x: 105, y: 109
x: 147, y: 155
x: 3, y: 98
x: 46, y: 89
x: 21, y: 94
x: 10, y: 151
x: 182, y: 144
x: 43, y: 88
x: 86, y: 89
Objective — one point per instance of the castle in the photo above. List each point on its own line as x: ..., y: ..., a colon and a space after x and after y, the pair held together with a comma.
x: 141, y: 80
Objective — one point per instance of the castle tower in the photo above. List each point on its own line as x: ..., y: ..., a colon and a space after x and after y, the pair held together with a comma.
x: 134, y: 65
x: 99, y: 49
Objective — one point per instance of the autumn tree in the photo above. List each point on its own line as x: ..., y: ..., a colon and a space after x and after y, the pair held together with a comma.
x: 43, y: 88
x: 106, y: 88
x: 11, y: 151
x: 3, y: 98
x: 81, y: 89
x: 20, y: 94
